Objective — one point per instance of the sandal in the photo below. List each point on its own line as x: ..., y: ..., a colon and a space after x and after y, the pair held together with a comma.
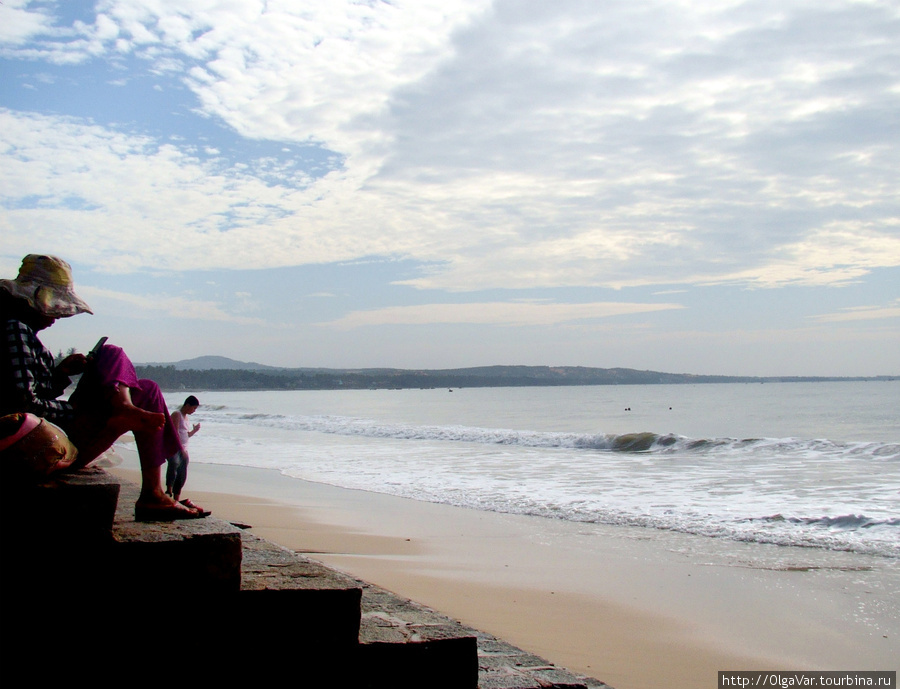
x: 193, y: 506
x: 162, y: 513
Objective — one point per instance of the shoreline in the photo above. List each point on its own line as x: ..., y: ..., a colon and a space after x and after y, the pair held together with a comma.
x: 596, y: 599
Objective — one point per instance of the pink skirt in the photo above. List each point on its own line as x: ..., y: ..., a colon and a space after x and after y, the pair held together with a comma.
x: 111, y: 368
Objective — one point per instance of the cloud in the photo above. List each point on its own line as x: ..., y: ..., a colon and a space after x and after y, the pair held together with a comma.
x: 861, y: 313
x: 494, y: 313
x: 654, y: 144
x: 840, y: 253
x: 156, y: 306
x: 501, y: 144
x: 18, y: 25
x: 274, y: 70
x: 151, y: 205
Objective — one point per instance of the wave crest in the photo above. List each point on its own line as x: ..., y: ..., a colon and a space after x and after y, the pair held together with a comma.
x: 638, y: 442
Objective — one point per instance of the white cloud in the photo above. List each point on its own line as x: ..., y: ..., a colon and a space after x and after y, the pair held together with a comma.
x: 839, y: 253
x: 284, y: 70
x: 18, y: 25
x: 495, y: 313
x: 861, y: 313
x: 154, y: 306
x: 507, y: 144
x: 150, y: 206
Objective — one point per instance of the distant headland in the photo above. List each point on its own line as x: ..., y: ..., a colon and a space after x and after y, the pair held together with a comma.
x: 222, y: 373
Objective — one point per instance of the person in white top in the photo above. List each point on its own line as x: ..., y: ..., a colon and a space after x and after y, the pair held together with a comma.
x: 176, y: 474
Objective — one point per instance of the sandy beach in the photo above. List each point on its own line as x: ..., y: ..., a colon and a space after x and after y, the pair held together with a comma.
x: 636, y: 608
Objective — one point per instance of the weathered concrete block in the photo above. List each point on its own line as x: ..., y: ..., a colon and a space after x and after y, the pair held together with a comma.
x: 503, y: 666
x: 405, y: 644
x: 194, y: 556
x: 81, y: 505
x: 57, y: 532
x: 74, y: 561
x: 320, y: 606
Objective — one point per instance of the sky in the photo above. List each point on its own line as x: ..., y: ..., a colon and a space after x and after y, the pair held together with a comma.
x: 696, y: 186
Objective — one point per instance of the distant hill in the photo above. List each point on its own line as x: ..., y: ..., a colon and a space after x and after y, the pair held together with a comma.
x: 221, y: 373
x: 214, y: 363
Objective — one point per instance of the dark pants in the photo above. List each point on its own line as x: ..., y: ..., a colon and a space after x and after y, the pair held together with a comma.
x: 176, y: 473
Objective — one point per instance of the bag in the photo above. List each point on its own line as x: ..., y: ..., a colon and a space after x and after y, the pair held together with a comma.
x: 32, y: 447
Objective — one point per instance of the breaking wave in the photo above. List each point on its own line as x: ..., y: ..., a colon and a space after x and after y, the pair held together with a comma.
x: 640, y: 442
x: 784, y: 491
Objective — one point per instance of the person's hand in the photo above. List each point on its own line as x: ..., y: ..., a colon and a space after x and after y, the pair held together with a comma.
x: 195, y: 429
x: 72, y: 365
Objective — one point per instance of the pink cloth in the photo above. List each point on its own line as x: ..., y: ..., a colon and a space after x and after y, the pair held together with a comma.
x: 112, y: 367
x: 29, y: 423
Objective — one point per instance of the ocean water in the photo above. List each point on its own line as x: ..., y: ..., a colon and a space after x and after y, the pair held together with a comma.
x: 802, y: 464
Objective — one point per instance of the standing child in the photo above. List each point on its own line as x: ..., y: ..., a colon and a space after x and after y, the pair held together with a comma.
x: 176, y: 474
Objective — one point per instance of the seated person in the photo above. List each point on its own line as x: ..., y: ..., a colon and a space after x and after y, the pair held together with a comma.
x: 109, y: 400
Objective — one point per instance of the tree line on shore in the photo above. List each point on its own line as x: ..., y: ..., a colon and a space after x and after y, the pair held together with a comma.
x: 170, y: 377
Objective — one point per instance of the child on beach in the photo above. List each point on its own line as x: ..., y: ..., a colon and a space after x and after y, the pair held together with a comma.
x: 176, y: 474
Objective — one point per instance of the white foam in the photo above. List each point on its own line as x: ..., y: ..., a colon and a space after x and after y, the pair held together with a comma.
x: 789, y: 490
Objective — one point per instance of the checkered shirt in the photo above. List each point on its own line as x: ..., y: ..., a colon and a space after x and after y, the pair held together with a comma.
x: 28, y: 380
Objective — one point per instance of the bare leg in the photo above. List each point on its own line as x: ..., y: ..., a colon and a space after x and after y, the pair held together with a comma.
x: 127, y: 417
x: 92, y: 437
x: 152, y: 494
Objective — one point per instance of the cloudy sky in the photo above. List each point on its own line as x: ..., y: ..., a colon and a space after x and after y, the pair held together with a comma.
x: 705, y: 186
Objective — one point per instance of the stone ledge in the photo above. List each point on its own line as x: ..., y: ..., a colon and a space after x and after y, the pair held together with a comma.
x: 80, y: 505
x: 323, y: 605
x: 503, y: 666
x: 267, y: 566
x: 413, y: 645
x: 202, y: 555
x: 295, y: 613
x: 57, y: 533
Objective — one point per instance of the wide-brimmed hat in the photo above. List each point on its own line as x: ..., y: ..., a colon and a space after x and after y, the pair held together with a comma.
x: 45, y: 282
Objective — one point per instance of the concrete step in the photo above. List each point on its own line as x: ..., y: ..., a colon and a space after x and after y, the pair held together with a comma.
x: 57, y: 531
x: 426, y: 643
x: 405, y: 644
x: 81, y: 506
x: 395, y: 642
x: 75, y: 559
x: 320, y: 606
x: 503, y: 666
x: 202, y: 555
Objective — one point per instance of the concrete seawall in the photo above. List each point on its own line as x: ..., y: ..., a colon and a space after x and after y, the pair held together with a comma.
x: 229, y: 605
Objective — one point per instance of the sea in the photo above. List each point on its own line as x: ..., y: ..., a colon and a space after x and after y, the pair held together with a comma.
x: 814, y: 465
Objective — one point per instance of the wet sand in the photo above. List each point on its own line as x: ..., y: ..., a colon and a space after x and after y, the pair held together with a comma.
x: 636, y: 608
